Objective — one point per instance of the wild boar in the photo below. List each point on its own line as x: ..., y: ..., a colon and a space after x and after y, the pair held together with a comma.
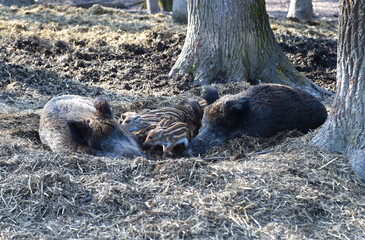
x: 261, y: 111
x: 168, y: 134
x: 134, y: 121
x: 76, y: 123
x: 188, y: 111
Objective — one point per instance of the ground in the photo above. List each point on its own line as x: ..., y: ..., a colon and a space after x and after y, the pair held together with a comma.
x: 250, y: 188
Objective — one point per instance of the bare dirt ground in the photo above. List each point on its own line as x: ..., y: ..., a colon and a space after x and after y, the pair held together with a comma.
x: 250, y: 188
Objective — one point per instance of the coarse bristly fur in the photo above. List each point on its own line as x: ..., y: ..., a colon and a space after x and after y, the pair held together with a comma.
x: 260, y: 111
x: 76, y: 123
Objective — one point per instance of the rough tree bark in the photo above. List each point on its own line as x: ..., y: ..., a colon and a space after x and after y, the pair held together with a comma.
x: 233, y: 39
x: 301, y: 9
x: 152, y: 6
x: 344, y: 130
x: 180, y: 11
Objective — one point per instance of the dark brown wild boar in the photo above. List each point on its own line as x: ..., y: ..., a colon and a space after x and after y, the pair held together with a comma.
x: 76, y: 123
x: 260, y: 111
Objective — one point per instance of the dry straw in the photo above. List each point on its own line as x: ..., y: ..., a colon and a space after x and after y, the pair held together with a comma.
x: 249, y: 188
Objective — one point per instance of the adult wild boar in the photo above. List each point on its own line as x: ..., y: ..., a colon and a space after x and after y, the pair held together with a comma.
x: 261, y: 111
x: 81, y: 124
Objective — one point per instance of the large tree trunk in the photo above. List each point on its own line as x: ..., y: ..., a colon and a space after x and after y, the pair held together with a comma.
x: 301, y: 9
x: 344, y: 130
x: 152, y: 6
x: 233, y: 39
x: 180, y: 11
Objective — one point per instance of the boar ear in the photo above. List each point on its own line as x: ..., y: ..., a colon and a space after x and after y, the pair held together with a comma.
x: 123, y: 116
x: 237, y: 109
x: 80, y: 131
x: 102, y: 108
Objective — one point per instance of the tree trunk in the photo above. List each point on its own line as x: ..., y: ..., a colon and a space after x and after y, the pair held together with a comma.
x: 233, y: 40
x: 152, y: 6
x: 344, y: 130
x: 180, y: 11
x: 166, y: 5
x: 301, y: 9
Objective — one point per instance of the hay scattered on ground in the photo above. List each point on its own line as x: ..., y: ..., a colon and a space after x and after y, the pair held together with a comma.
x: 250, y: 188
x: 287, y: 190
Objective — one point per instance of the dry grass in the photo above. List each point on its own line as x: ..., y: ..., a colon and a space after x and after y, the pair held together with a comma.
x: 286, y: 190
x: 250, y: 188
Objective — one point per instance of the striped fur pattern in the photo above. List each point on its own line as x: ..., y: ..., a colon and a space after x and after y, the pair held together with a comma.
x: 136, y: 121
x: 193, y: 114
x: 168, y: 134
x: 188, y: 111
x: 168, y: 112
x: 141, y: 134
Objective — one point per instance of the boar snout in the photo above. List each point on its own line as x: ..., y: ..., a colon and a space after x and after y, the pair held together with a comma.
x: 207, y: 138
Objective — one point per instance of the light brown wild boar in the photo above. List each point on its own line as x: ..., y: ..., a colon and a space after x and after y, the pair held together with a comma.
x: 75, y: 123
x: 168, y: 134
x: 188, y: 111
x: 134, y: 121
